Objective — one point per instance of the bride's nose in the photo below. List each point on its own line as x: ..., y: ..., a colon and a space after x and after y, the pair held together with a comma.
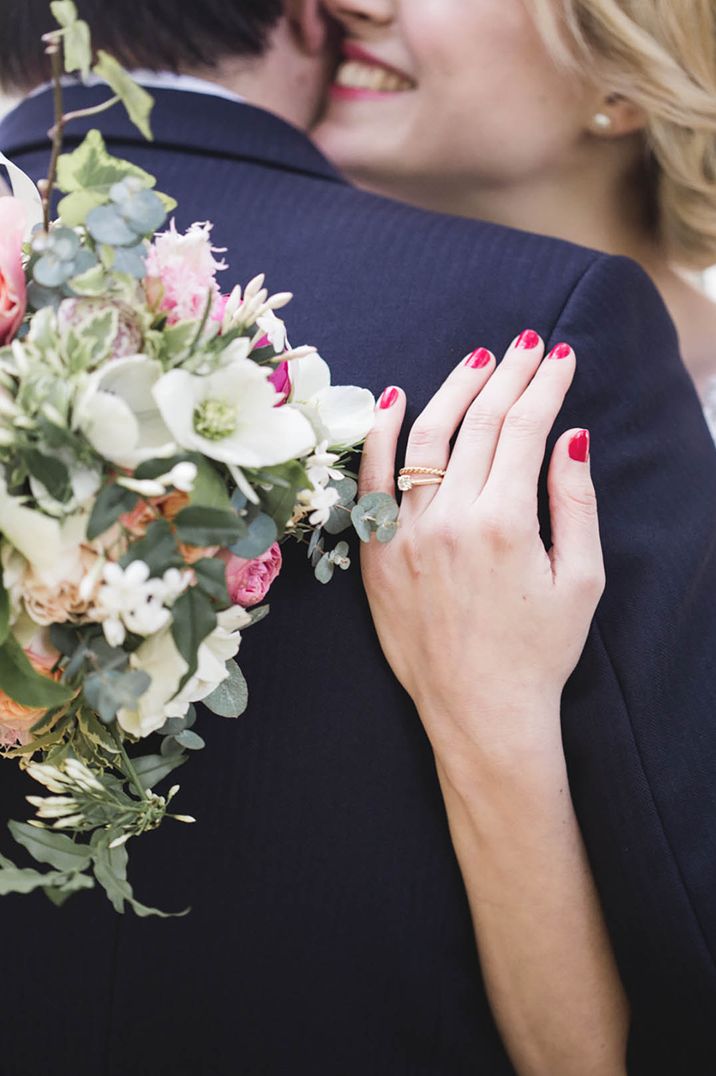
x: 357, y: 15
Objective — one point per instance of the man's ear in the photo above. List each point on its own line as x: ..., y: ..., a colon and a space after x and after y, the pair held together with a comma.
x: 309, y: 24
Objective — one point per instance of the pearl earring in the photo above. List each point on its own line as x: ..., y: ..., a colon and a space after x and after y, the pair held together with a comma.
x: 602, y: 121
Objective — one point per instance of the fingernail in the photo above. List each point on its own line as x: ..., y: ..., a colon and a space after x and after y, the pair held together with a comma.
x: 389, y: 397
x: 527, y: 340
x: 476, y: 360
x: 561, y: 351
x: 579, y: 447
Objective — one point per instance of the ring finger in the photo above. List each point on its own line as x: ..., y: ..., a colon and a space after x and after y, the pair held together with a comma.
x: 430, y: 436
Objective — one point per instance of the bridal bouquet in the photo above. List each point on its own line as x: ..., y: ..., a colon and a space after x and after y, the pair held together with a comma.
x: 159, y: 439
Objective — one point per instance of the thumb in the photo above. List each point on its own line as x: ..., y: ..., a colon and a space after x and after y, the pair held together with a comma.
x: 577, y: 560
x: 377, y: 467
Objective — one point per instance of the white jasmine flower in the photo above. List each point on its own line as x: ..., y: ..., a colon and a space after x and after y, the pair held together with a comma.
x: 319, y: 502
x: 129, y: 600
x: 341, y: 415
x: 320, y: 467
x: 183, y: 476
x: 175, y: 583
x: 231, y: 416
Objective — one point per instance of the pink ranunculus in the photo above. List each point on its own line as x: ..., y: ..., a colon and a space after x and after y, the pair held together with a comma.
x: 249, y: 581
x: 281, y: 381
x: 13, y: 289
x: 181, y: 273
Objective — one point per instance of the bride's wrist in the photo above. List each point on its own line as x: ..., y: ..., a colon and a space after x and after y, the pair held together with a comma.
x: 519, y: 741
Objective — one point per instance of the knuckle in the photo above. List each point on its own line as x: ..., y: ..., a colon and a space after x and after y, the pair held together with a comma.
x: 372, y: 478
x: 582, y: 504
x: 520, y: 422
x: 482, y: 420
x: 589, y: 580
x: 425, y: 433
x: 497, y: 528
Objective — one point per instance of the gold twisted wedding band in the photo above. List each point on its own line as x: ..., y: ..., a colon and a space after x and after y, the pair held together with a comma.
x: 410, y: 477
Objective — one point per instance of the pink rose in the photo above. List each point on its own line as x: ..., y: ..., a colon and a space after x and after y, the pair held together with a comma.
x: 249, y: 581
x: 281, y: 381
x: 13, y: 291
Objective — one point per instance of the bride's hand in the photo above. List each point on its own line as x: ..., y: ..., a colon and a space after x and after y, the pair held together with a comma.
x: 480, y: 623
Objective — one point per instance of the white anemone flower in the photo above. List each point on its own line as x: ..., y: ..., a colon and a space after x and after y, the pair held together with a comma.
x: 231, y: 416
x: 341, y: 415
x: 117, y: 414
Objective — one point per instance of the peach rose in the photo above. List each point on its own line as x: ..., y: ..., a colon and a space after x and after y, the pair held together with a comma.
x: 141, y: 516
x: 16, y: 720
x: 61, y: 603
x: 249, y: 581
x: 13, y: 290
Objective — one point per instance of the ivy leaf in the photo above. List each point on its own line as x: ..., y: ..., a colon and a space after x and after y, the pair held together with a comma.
x: 77, y: 45
x: 64, y: 12
x: 87, y: 175
x: 24, y: 684
x: 135, y: 98
x: 231, y: 697
x: 113, y: 501
x: 47, y: 846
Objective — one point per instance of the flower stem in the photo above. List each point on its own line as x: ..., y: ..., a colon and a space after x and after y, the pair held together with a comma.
x: 129, y: 769
x: 54, y: 51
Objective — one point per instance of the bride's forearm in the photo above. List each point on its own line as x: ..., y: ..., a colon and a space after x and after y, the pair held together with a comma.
x: 546, y: 957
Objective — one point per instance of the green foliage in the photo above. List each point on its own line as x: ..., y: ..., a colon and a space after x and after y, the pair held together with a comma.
x: 112, y: 502
x: 88, y: 174
x: 211, y: 579
x: 135, y: 99
x: 51, y: 471
x: 48, y: 846
x: 23, y: 684
x: 76, y: 38
x: 109, y: 690
x: 231, y: 697
x: 279, y: 501
x: 158, y: 549
x: 260, y: 536
x: 201, y: 526
x: 110, y: 869
x: 376, y: 513
x: 340, y: 517
x: 151, y: 769
x: 4, y: 611
x: 193, y: 620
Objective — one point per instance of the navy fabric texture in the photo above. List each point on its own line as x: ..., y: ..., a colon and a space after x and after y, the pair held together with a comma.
x: 329, y: 932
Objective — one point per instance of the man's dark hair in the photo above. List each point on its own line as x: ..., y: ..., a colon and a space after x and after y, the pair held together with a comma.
x: 162, y: 35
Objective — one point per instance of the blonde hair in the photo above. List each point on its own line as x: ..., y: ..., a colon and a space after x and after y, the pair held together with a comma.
x: 661, y: 55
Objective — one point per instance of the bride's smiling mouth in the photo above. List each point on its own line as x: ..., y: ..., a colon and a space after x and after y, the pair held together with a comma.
x: 362, y: 75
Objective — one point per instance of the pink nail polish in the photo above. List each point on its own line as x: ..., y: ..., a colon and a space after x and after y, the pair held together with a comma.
x: 561, y: 351
x: 389, y: 397
x: 527, y: 340
x: 579, y: 447
x: 476, y: 360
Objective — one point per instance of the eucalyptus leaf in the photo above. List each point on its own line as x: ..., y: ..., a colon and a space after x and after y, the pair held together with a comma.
x: 131, y: 260
x: 86, y: 176
x: 325, y: 569
x: 107, y: 225
x: 231, y: 697
x: 50, y: 272
x: 261, y: 535
x: 192, y: 741
x: 108, y: 691
x: 144, y: 212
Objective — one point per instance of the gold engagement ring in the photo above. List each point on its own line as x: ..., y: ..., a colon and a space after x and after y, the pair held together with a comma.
x: 410, y: 477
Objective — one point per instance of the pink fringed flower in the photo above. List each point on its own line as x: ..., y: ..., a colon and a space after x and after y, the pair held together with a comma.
x: 181, y: 273
x: 249, y: 581
x: 13, y: 291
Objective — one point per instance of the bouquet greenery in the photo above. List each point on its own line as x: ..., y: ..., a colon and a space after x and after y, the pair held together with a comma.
x: 159, y: 439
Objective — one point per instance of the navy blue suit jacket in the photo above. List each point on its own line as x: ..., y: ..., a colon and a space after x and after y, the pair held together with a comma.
x: 330, y: 933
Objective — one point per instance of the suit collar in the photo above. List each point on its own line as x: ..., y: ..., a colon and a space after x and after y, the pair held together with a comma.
x: 190, y: 122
